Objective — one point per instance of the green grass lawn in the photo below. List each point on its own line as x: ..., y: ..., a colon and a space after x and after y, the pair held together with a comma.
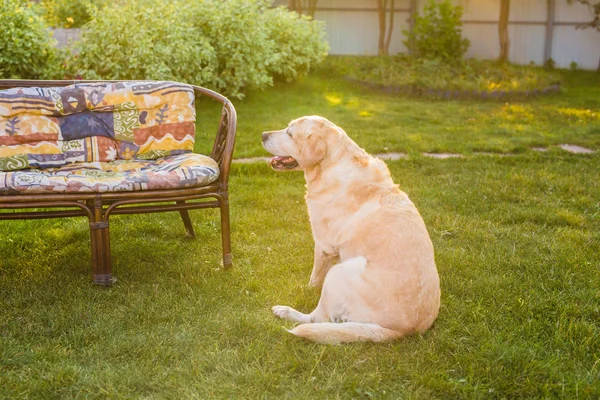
x: 383, y: 122
x: 517, y: 244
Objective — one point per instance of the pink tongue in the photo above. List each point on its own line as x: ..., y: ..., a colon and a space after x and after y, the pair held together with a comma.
x: 282, y: 161
x: 276, y: 160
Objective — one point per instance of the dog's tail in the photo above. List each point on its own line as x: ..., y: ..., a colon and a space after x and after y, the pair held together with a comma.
x: 345, y: 332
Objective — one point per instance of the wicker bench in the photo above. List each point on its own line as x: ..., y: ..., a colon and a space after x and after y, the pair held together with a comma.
x: 102, y: 148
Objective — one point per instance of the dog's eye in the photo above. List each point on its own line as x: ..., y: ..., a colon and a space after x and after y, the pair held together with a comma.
x: 288, y: 133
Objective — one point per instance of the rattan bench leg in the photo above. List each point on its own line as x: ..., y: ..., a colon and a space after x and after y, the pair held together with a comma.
x: 100, y: 238
x: 187, y: 222
x: 225, y: 232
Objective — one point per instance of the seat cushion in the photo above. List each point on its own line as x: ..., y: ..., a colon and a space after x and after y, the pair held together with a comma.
x: 172, y: 172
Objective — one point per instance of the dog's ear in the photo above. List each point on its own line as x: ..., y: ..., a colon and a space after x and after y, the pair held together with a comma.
x: 314, y: 150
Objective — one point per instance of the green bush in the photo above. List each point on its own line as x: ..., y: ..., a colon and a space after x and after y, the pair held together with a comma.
x: 150, y: 39
x: 26, y: 48
x: 67, y: 13
x: 255, y: 43
x: 300, y: 42
x: 228, y: 46
x: 240, y: 40
x: 423, y: 74
x: 437, y: 33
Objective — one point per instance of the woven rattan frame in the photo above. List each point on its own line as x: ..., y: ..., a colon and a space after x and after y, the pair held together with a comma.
x: 98, y: 207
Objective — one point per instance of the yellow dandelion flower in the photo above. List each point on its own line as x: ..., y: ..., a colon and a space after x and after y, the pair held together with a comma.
x: 333, y: 99
x: 71, y: 20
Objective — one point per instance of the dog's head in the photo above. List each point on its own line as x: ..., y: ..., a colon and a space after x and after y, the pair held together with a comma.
x: 301, y: 145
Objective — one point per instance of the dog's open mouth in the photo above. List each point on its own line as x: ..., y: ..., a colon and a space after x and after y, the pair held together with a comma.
x: 283, y: 163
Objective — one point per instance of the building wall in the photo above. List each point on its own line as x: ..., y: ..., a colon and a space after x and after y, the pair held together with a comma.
x: 353, y: 28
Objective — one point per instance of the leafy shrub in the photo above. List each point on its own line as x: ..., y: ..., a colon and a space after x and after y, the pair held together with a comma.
x: 470, y: 75
x: 27, y: 48
x: 254, y: 42
x: 299, y: 42
x: 241, y: 43
x: 228, y: 46
x: 150, y: 39
x: 437, y: 33
x: 67, y: 13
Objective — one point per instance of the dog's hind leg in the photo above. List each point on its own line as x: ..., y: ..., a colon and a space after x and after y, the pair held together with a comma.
x: 338, y: 296
x: 289, y: 313
x: 341, y: 297
x: 285, y: 312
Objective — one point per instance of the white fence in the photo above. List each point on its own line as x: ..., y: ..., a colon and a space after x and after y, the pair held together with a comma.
x: 538, y: 29
x: 66, y: 36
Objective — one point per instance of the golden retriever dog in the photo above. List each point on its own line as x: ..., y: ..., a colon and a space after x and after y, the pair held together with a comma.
x: 373, y: 255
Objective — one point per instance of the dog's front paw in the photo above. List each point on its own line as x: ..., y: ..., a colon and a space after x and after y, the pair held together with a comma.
x: 282, y: 311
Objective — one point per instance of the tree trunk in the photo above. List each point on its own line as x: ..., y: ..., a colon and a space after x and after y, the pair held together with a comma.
x: 296, y: 5
x: 390, y: 28
x: 503, y: 30
x: 312, y: 5
x: 299, y: 6
x: 381, y: 9
x: 412, y: 19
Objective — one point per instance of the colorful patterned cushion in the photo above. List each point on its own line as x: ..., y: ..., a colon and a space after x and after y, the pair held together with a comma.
x: 89, y: 122
x: 178, y: 171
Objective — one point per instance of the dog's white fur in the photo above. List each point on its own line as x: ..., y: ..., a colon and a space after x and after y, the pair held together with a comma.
x: 373, y: 254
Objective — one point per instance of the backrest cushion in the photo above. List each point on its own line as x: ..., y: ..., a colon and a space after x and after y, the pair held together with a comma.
x: 86, y: 122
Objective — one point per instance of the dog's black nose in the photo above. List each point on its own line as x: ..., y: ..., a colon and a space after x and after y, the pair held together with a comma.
x: 265, y: 136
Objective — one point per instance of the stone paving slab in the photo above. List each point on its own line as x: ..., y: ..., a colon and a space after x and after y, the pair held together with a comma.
x: 572, y: 148
x: 485, y: 153
x: 443, y: 155
x: 391, y: 156
x: 251, y: 160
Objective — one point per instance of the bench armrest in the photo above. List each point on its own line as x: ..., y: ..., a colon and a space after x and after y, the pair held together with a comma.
x: 222, y: 151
